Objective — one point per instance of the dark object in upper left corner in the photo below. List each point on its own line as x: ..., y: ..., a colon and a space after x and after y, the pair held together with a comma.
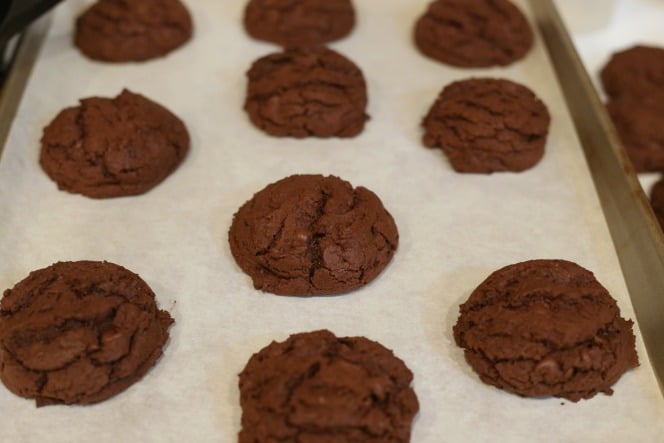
x: 15, y: 16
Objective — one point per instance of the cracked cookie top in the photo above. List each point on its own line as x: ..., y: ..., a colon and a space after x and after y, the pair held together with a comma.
x: 304, y: 92
x: 473, y: 33
x: 132, y: 30
x: 299, y: 22
x: 79, y: 332
x: 545, y: 328
x: 488, y: 125
x: 316, y: 387
x: 113, y: 147
x: 312, y: 235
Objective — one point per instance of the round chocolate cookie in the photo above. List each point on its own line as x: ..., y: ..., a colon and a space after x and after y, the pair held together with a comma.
x: 488, y: 125
x: 132, y: 30
x: 545, y: 328
x: 657, y: 201
x: 312, y: 235
x: 473, y: 33
x: 304, y: 92
x: 79, y: 332
x: 113, y: 147
x: 635, y: 72
x: 299, y: 22
x: 639, y: 122
x: 315, y: 387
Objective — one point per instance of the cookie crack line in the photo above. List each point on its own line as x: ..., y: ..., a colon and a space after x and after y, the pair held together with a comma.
x: 477, y: 104
x: 275, y: 238
x: 94, y: 324
x: 588, y: 294
x: 297, y: 86
x: 499, y: 155
x: 278, y: 62
x: 390, y: 245
x: 27, y: 301
x: 574, y: 371
x: 130, y: 346
x: 465, y: 138
x: 112, y: 381
x: 99, y: 160
x: 313, y: 248
x: 551, y: 348
x: 312, y: 428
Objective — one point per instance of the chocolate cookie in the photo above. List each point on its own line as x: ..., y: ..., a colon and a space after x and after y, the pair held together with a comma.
x: 312, y: 235
x: 299, y: 22
x: 634, y: 82
x: 639, y: 121
x: 488, y: 125
x: 79, y: 332
x: 634, y: 72
x: 113, y: 147
x: 473, y: 33
x: 131, y: 30
x: 305, y: 92
x: 315, y: 387
x: 545, y: 328
x: 657, y: 201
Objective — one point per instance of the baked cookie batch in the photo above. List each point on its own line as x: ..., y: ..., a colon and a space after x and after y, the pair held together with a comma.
x: 80, y: 332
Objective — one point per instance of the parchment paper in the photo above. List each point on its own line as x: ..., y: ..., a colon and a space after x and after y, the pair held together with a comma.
x: 455, y: 229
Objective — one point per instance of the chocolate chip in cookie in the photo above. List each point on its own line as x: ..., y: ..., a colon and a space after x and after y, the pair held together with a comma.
x: 306, y: 92
x: 113, y: 147
x: 312, y: 235
x: 488, y: 125
x: 79, y: 332
x: 315, y: 387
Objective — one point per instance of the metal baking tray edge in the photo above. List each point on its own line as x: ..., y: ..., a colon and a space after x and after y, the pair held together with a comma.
x: 636, y: 234
x: 27, y: 51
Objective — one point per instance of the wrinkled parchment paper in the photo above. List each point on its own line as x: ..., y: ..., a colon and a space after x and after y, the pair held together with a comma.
x: 455, y: 229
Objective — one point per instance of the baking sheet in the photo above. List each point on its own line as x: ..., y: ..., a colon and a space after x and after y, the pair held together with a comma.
x: 614, y: 25
x: 454, y: 230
